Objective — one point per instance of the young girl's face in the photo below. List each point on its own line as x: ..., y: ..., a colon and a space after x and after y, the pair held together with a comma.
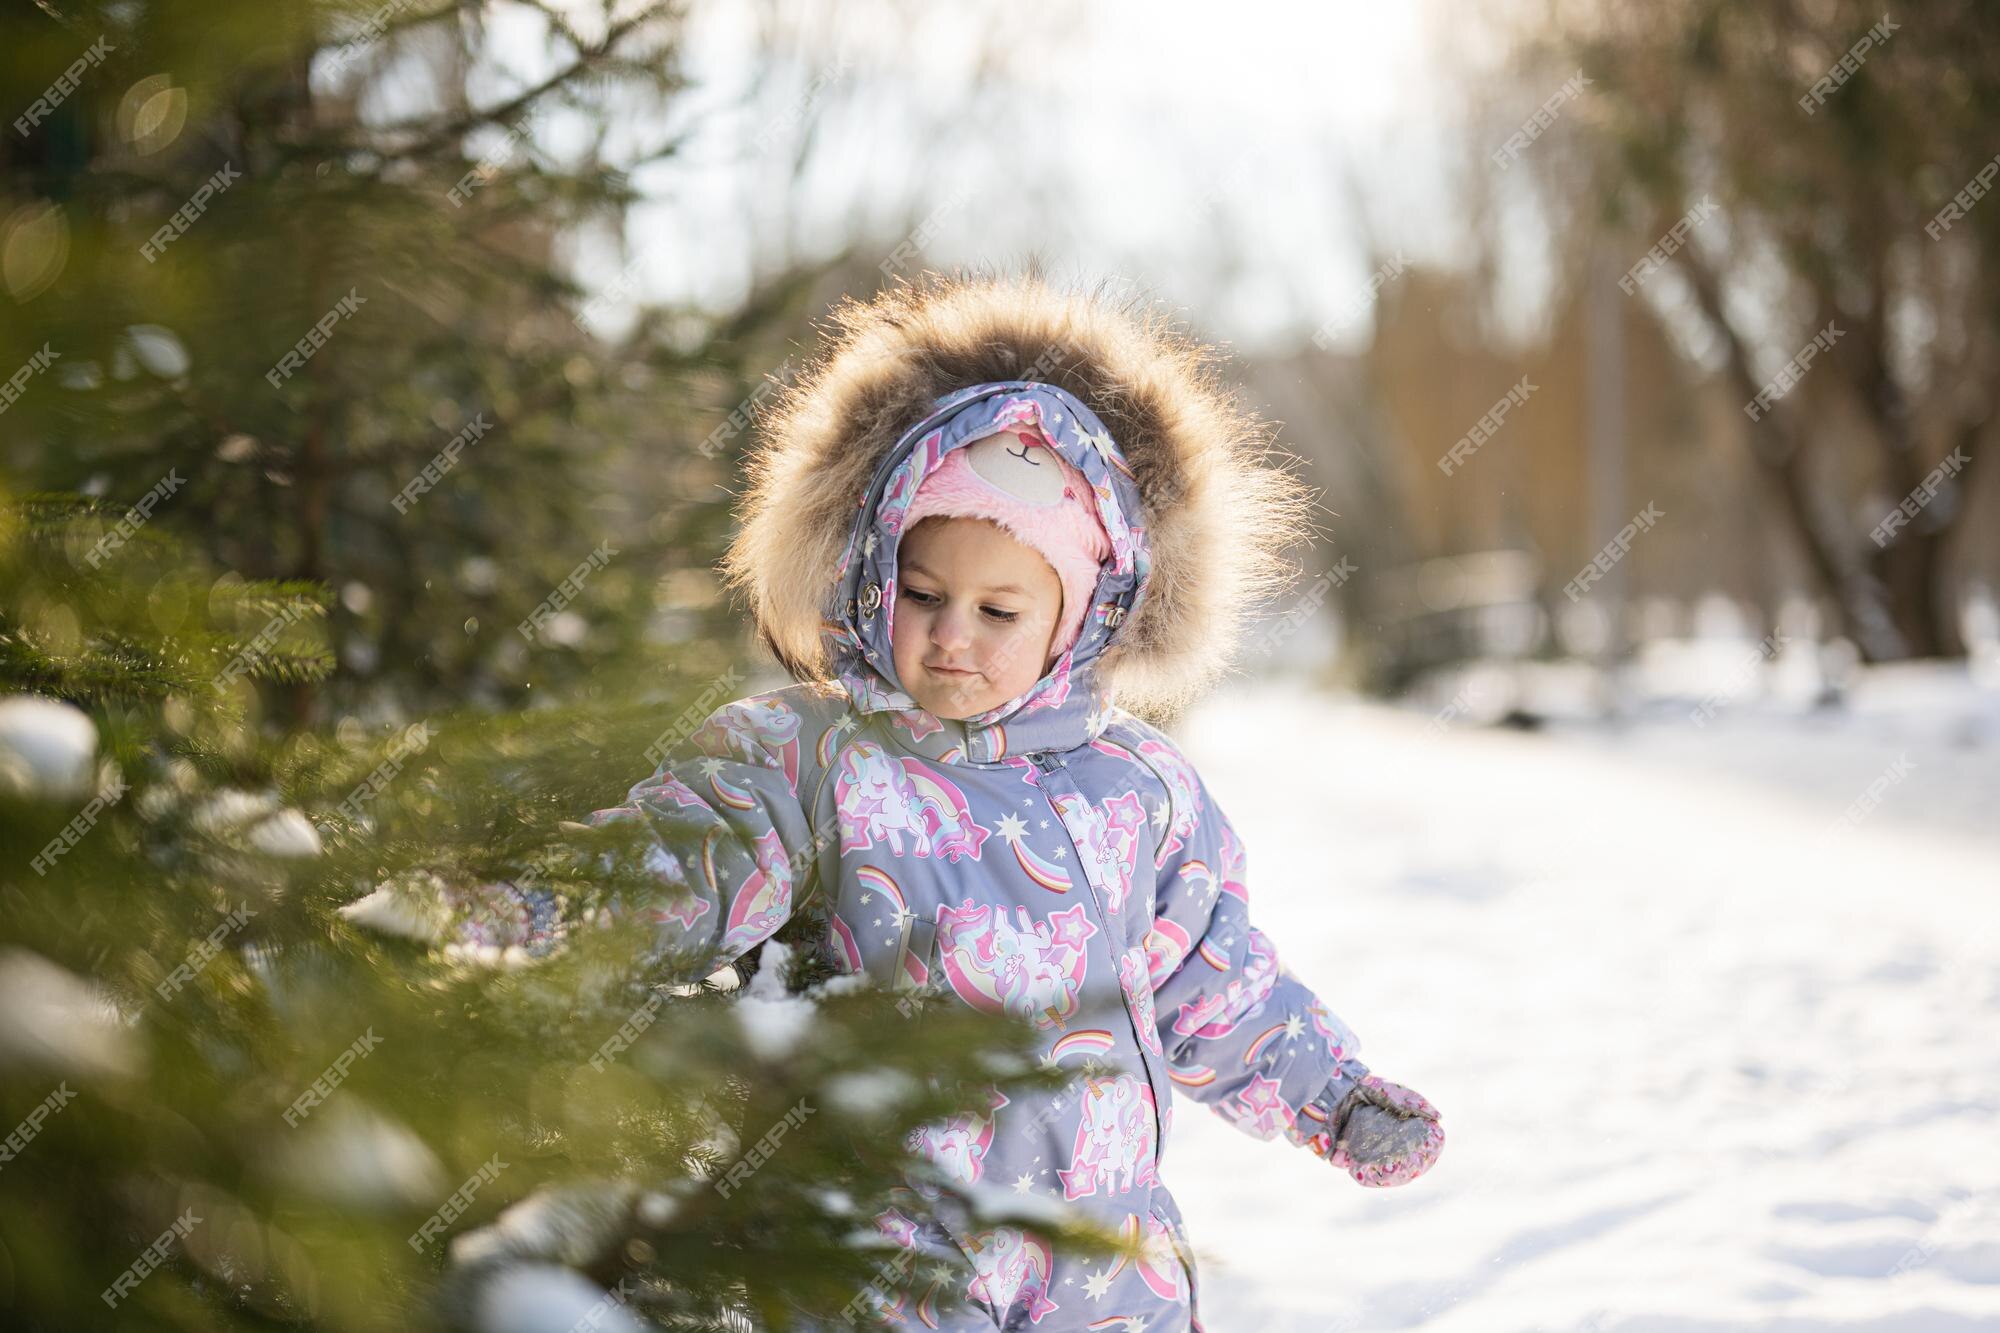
x: 970, y: 596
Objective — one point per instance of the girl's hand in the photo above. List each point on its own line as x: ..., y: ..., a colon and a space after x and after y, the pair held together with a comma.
x: 1385, y: 1134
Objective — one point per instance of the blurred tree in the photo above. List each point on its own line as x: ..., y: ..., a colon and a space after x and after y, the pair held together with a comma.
x: 301, y: 266
x: 225, y: 1109
x: 1809, y: 152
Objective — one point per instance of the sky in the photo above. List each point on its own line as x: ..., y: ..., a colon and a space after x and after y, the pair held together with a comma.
x: 1255, y: 166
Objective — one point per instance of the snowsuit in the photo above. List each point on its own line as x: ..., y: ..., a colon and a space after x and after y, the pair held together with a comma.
x: 1056, y: 857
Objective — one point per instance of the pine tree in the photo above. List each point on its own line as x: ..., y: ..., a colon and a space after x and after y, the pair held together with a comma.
x: 230, y: 1109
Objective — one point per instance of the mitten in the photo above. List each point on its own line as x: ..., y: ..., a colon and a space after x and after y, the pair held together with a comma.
x: 1385, y: 1133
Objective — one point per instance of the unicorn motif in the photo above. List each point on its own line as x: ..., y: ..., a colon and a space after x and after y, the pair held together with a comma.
x: 1033, y: 970
x: 1218, y: 1014
x: 1160, y: 1262
x: 751, y: 728
x: 895, y: 797
x: 959, y: 1144
x: 765, y: 899
x: 1259, y: 1109
x: 1183, y: 794
x: 1132, y: 975
x: 1011, y: 1264
x: 1112, y: 837
x: 1114, y: 1147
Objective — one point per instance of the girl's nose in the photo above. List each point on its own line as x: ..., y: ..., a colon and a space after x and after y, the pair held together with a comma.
x: 951, y: 629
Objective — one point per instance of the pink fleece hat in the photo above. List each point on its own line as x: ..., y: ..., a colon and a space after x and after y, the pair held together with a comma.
x: 1014, y: 478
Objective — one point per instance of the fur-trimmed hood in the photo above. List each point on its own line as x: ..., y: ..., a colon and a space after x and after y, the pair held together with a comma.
x: 1218, y: 512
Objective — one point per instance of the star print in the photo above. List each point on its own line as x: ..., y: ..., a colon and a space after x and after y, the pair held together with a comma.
x: 1045, y: 823
x: 1160, y: 814
x: 1061, y: 853
x: 878, y: 920
x: 1023, y: 1183
x: 1294, y: 1025
x: 867, y: 897
x: 1011, y: 827
x: 868, y: 544
x: 941, y: 1273
x: 710, y: 767
x: 904, y: 914
x: 1096, y: 1284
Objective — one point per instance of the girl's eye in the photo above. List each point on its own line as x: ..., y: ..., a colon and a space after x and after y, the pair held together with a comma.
x: 920, y: 598
x: 1004, y: 617
x: 930, y: 599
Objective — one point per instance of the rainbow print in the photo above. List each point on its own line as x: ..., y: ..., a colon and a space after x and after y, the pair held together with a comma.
x: 1263, y: 1038
x: 1044, y: 873
x: 1092, y: 1041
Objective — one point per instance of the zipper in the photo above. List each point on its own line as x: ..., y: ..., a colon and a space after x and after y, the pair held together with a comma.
x: 1048, y: 761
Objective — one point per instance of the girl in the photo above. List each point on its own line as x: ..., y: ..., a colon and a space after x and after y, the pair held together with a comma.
x: 986, y: 523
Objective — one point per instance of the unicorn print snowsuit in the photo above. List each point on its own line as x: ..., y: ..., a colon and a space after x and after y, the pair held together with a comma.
x: 1056, y: 857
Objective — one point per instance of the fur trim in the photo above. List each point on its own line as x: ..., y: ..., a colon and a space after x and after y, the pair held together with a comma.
x: 1219, y: 513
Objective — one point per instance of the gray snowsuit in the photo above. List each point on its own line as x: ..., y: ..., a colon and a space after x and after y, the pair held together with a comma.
x: 1056, y: 857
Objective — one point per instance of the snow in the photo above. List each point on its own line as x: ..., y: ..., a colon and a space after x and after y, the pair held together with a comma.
x: 1704, y: 1060
x: 773, y: 1020
x: 47, y: 748
x: 55, y: 1022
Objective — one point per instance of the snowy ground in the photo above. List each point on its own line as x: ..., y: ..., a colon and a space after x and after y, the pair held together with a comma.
x: 1704, y: 1062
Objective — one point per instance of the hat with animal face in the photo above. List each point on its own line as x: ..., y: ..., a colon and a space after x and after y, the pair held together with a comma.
x: 1015, y: 479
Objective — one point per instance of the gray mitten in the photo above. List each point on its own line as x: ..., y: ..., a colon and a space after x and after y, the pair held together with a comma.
x: 1385, y: 1133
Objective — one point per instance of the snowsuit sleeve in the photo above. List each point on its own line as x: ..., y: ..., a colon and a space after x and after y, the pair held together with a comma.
x: 730, y: 844
x: 1241, y: 1033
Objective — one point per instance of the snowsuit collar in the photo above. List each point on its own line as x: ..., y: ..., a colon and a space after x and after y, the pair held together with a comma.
x: 1068, y: 706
